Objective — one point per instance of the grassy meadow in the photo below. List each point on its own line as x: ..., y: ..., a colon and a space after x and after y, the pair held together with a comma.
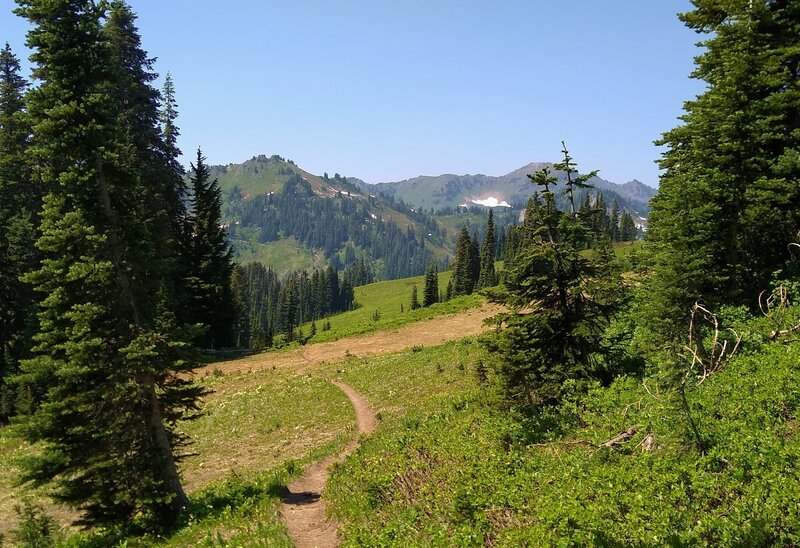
x: 256, y: 431
x: 259, y: 428
x: 386, y: 305
x: 283, y: 256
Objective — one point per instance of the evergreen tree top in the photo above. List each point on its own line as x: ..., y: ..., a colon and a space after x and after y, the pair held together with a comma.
x: 569, y: 167
x: 544, y: 178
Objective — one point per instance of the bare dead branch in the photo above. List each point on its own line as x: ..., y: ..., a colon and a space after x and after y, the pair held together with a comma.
x: 705, y: 363
x: 655, y: 396
x: 619, y: 438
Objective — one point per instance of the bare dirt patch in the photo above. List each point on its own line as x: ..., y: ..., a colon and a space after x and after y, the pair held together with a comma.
x: 425, y: 333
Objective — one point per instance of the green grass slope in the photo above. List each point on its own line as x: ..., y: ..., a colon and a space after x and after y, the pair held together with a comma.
x: 256, y: 432
x: 282, y: 256
x: 466, y: 474
x: 386, y: 305
x: 258, y: 429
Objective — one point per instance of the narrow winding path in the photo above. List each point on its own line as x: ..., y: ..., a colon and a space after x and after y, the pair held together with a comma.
x: 303, y: 509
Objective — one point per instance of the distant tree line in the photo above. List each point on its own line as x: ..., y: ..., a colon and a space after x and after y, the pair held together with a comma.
x: 270, y: 308
x: 599, y: 222
x: 358, y: 273
x: 473, y: 268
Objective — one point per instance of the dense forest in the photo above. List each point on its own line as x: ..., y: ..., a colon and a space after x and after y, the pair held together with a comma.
x: 269, y: 307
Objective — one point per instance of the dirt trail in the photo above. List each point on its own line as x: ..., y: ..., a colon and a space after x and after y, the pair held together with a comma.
x: 303, y: 509
x: 431, y: 332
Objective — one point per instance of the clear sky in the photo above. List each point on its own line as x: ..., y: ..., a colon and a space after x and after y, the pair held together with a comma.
x: 389, y: 90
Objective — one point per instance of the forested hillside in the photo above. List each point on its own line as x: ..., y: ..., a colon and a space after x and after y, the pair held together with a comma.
x: 279, y: 214
x: 343, y: 225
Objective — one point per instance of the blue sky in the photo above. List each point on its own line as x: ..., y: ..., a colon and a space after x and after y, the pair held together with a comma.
x: 389, y: 90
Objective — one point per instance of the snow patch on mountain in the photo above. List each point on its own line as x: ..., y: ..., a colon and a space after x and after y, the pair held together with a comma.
x: 491, y: 201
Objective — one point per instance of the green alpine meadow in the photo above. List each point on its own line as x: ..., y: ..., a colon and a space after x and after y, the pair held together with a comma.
x: 201, y: 349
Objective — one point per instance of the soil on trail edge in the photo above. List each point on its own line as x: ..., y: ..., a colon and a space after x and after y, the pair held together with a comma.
x: 303, y: 509
x: 430, y: 332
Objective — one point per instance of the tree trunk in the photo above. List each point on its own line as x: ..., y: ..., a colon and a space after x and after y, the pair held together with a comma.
x: 169, y: 470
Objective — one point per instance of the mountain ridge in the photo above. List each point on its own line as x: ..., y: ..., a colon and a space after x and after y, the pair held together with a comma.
x: 451, y: 190
x: 283, y: 216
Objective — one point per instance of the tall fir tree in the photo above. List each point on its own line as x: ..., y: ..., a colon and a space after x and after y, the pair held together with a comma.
x: 414, y: 298
x: 728, y: 203
x: 431, y: 291
x: 109, y: 358
x: 559, y: 306
x: 168, y: 117
x: 19, y: 204
x: 574, y: 180
x: 488, y: 277
x: 176, y: 199
x: 627, y: 227
x: 613, y: 222
x: 462, y: 265
x: 211, y: 260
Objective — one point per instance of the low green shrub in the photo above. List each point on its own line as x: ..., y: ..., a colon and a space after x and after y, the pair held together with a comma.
x: 612, y: 466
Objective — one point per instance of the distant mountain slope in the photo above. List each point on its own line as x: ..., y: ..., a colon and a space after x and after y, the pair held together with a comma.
x: 285, y: 217
x: 451, y: 191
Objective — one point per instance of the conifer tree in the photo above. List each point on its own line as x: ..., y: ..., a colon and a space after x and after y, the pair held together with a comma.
x: 574, y: 181
x: 176, y: 198
x: 462, y: 266
x: 613, y: 222
x: 431, y: 291
x: 627, y: 228
x: 600, y: 223
x: 19, y: 203
x: 728, y: 203
x: 168, y: 119
x: 559, y: 305
x: 414, y: 297
x: 211, y: 262
x: 488, y: 277
x: 108, y: 353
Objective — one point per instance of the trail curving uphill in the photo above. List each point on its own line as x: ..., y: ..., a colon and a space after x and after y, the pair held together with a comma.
x: 430, y: 332
x: 303, y: 509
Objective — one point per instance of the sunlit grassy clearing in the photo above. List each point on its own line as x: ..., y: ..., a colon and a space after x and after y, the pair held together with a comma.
x: 283, y: 256
x: 414, y: 380
x: 392, y: 302
x: 254, y: 421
